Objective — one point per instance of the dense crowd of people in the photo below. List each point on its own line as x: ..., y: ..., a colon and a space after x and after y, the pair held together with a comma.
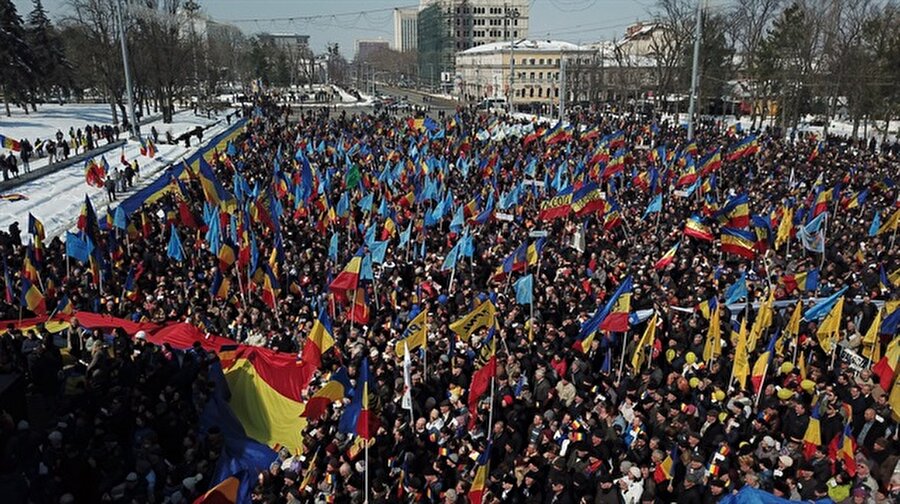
x: 565, y: 419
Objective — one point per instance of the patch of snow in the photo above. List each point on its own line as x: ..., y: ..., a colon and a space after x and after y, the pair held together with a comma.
x: 56, y: 198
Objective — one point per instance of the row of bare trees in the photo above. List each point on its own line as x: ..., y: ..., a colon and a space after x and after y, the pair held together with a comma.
x: 176, y: 55
x: 787, y: 58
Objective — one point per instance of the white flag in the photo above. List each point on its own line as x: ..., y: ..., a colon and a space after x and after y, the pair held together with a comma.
x: 407, y: 383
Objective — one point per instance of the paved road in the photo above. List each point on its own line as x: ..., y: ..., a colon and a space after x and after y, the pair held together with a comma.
x: 417, y: 98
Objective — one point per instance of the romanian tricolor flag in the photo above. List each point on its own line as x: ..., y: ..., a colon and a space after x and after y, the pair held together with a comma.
x: 689, y: 176
x: 735, y: 212
x: 32, y: 298
x: 667, y: 258
x: 348, y: 278
x: 618, y: 308
x: 220, y: 286
x: 747, y: 146
x: 480, y: 482
x: 823, y: 199
x: 665, y: 470
x: 213, y: 190
x: 10, y: 143
x: 270, y: 287
x: 64, y: 306
x: 319, y: 341
x: 557, y: 134
x: 589, y: 327
x: 557, y: 206
x: 886, y: 368
x: 711, y: 162
x: 359, y: 307
x: 226, y: 256
x: 812, y: 438
x: 805, y: 281
x: 891, y: 224
x: 355, y: 419
x: 843, y: 448
x: 333, y: 391
x: 613, y: 217
x: 738, y: 242
x: 820, y: 146
x: 694, y: 227
x: 615, y: 165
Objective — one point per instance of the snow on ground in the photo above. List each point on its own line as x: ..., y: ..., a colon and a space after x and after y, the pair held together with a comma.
x: 838, y: 126
x: 49, y: 118
x: 56, y: 198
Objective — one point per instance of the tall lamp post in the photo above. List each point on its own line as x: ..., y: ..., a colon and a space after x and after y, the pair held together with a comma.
x: 132, y: 117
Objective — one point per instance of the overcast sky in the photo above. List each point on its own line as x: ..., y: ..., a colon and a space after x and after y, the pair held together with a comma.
x: 578, y: 21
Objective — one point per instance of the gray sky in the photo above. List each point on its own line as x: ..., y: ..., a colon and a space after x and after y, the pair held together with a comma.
x: 578, y: 21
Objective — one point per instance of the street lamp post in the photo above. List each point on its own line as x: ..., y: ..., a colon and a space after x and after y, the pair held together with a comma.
x: 135, y: 125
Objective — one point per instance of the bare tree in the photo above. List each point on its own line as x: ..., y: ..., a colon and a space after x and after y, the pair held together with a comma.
x: 668, y: 47
x: 751, y: 19
x: 89, y: 32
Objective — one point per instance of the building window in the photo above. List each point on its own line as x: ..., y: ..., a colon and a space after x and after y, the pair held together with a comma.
x: 557, y: 92
x: 531, y: 93
x: 540, y: 92
x: 541, y: 75
x: 532, y: 76
x: 532, y: 61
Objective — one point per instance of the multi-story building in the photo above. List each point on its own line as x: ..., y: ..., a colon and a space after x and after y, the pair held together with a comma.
x: 366, y: 48
x: 535, y: 66
x: 446, y: 27
x: 287, y: 41
x: 405, y: 35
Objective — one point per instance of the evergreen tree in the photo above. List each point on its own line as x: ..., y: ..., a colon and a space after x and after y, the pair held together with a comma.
x: 50, y: 65
x: 15, y: 56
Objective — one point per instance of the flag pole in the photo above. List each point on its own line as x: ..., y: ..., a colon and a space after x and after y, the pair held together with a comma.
x: 622, y: 360
x: 353, y: 307
x: 366, y: 497
x: 762, y: 382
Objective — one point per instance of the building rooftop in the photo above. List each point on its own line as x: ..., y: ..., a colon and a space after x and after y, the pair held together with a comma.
x: 527, y: 45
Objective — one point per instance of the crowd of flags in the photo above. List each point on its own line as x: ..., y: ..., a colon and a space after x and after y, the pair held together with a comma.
x: 572, y: 188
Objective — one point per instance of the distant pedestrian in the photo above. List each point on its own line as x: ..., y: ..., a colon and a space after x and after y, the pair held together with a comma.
x: 110, y: 188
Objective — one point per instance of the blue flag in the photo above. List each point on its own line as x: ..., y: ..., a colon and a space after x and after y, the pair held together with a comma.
x: 174, y: 249
x: 820, y: 309
x: 452, y: 257
x: 876, y: 224
x: 524, y: 289
x: 404, y: 235
x: 655, y: 206
x: 365, y: 269
x: 737, y: 291
x: 333, y: 248
x: 379, y: 249
x: 77, y: 247
x: 119, y: 218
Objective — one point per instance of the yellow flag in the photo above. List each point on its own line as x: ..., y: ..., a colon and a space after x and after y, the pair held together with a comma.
x: 483, y: 316
x: 891, y: 223
x: 646, y: 342
x: 801, y: 365
x: 713, y: 346
x: 871, y: 346
x: 415, y: 334
x: 792, y: 329
x: 741, y: 358
x: 830, y: 327
x: 784, y: 227
x: 762, y: 322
